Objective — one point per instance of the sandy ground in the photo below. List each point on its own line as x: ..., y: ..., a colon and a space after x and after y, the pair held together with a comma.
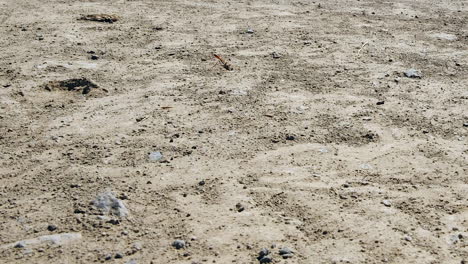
x: 315, y: 141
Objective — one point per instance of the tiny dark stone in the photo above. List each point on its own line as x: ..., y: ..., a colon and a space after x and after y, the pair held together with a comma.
x: 94, y: 57
x: 285, y: 250
x: 290, y: 138
x: 114, y: 221
x: 86, y: 90
x: 118, y: 256
x: 51, y: 227
x: 178, y: 244
x: 263, y: 252
x: 240, y: 207
x: 79, y: 211
x: 20, y: 245
x: 202, y: 182
x: 108, y: 257
x: 266, y: 259
x: 380, y: 102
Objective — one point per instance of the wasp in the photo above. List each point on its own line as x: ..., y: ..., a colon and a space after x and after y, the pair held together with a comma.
x: 223, y: 63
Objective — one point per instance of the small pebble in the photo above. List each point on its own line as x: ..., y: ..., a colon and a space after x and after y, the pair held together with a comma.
x: 20, y: 245
x: 290, y: 138
x: 108, y: 257
x: 407, y: 238
x: 155, y: 156
x: 285, y: 250
x: 465, y: 124
x: 412, y: 73
x: 51, y: 227
x: 240, y: 207
x: 387, y: 203
x: 263, y: 252
x: 266, y: 259
x: 178, y: 244
x: 118, y: 256
x: 202, y: 182
x: 249, y: 31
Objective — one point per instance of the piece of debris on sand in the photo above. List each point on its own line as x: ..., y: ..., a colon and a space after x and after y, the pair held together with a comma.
x: 100, y: 18
x: 107, y: 203
x: 56, y: 239
x: 84, y: 85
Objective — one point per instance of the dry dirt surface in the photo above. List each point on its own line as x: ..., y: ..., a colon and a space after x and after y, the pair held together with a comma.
x: 124, y: 140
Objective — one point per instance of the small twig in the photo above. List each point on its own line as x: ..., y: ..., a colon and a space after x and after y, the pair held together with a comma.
x: 363, y: 45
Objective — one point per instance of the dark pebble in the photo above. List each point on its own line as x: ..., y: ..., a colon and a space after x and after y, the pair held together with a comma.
x: 290, y: 138
x: 79, y: 211
x: 20, y: 245
x: 263, y: 252
x: 94, y: 57
x: 266, y: 259
x: 51, y: 227
x: 240, y: 207
x: 118, y: 256
x: 285, y: 250
x: 178, y: 244
x: 202, y: 182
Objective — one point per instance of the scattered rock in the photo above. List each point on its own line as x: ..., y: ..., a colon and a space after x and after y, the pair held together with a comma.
x: 380, y: 102
x: 57, y: 239
x: 240, y: 207
x: 412, y: 73
x: 108, y: 257
x: 465, y: 124
x: 202, y: 182
x: 51, y: 227
x: 286, y: 252
x: 178, y: 244
x: 290, y: 138
x: 100, y: 18
x: 387, y: 203
x: 249, y: 31
x: 20, y: 245
x: 275, y: 55
x: 263, y: 252
x: 155, y: 156
x: 84, y: 85
x: 266, y: 259
x: 118, y: 256
x: 365, y: 166
x: 108, y: 203
x: 94, y: 57
x: 407, y: 238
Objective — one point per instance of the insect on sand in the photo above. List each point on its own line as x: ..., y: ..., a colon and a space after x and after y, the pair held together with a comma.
x: 223, y: 63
